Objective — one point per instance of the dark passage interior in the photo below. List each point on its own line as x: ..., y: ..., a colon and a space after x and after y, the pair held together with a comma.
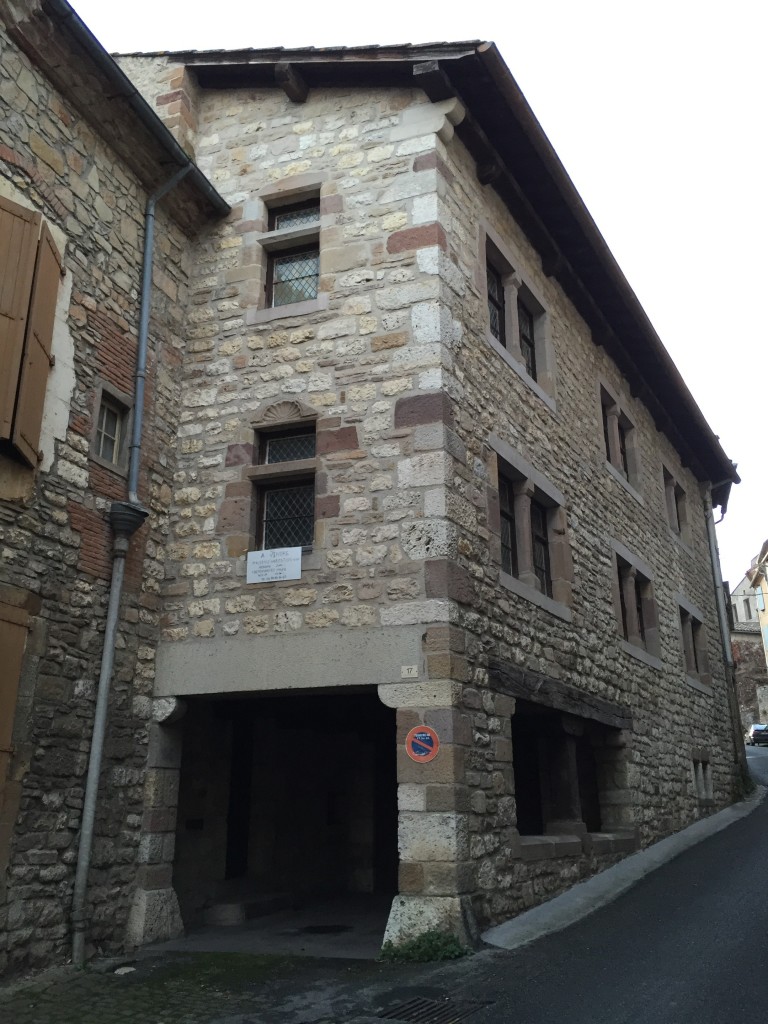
x: 284, y: 799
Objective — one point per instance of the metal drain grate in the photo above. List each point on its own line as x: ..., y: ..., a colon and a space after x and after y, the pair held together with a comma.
x: 325, y: 929
x: 429, y: 1011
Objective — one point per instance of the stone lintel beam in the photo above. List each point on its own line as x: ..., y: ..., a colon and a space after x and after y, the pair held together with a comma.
x: 438, y: 693
x: 291, y: 82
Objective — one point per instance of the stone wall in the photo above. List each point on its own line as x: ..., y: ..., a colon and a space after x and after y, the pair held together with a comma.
x: 55, y: 539
x: 750, y: 674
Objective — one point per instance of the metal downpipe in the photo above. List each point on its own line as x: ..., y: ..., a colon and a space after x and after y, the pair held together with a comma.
x: 740, y: 756
x: 141, y: 353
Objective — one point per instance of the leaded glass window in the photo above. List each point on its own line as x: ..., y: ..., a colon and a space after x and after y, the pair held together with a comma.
x: 540, y: 541
x: 527, y: 339
x: 496, y: 303
x: 289, y: 516
x: 296, y: 216
x: 289, y: 447
x: 508, y: 538
x: 294, y: 276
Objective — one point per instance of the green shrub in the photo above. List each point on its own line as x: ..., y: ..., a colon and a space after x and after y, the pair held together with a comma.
x: 431, y: 945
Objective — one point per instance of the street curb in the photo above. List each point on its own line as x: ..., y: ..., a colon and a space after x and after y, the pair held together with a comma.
x: 603, y: 888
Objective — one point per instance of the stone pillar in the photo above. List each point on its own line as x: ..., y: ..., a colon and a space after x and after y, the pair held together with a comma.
x: 155, y: 912
x: 561, y: 561
x: 669, y: 496
x: 614, y: 440
x: 436, y: 878
x: 563, y: 813
x: 523, y: 491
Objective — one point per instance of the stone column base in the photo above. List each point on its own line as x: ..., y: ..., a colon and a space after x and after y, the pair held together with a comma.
x: 411, y: 916
x: 154, y: 917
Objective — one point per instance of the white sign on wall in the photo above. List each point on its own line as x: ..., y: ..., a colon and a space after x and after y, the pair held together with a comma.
x: 274, y: 564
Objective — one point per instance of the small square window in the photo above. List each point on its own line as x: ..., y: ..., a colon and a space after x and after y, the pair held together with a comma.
x: 111, y: 429
x: 294, y: 216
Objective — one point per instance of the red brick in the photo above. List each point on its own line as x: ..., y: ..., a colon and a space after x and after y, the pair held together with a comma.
x: 420, y: 409
x: 417, y: 238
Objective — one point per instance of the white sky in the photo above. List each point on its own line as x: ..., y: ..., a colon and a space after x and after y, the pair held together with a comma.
x: 658, y: 112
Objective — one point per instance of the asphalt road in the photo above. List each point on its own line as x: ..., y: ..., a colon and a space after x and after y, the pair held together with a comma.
x: 687, y: 945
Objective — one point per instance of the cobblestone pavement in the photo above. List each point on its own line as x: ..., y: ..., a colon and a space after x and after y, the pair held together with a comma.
x: 216, y: 988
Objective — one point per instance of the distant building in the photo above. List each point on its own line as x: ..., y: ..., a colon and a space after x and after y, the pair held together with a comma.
x: 758, y: 578
x: 749, y: 662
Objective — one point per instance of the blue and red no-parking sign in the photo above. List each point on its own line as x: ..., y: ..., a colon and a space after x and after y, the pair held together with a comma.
x: 422, y: 744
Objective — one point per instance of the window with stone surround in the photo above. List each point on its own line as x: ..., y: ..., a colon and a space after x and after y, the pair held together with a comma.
x: 637, y: 616
x: 564, y: 769
x: 619, y: 439
x: 676, y: 505
x: 290, y: 247
x: 533, y: 549
x: 693, y: 642
x: 702, y: 776
x: 30, y: 271
x: 518, y: 324
x: 111, y: 425
x: 284, y: 482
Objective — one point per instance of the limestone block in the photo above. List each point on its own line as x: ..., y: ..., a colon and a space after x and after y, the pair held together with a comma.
x: 434, y: 836
x: 411, y: 916
x: 154, y: 917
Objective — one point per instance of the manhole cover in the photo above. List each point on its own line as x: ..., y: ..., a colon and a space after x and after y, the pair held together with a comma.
x: 325, y: 929
x: 430, y: 1011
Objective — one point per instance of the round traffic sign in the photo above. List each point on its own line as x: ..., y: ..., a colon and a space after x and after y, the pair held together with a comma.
x: 422, y: 744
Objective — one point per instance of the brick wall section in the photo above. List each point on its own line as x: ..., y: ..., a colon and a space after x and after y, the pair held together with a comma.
x: 56, y: 544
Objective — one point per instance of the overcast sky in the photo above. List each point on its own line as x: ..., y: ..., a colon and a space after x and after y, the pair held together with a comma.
x: 658, y: 112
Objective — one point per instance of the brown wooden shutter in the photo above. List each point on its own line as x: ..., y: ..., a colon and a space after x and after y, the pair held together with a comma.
x: 13, y: 637
x: 19, y: 231
x: 36, y: 362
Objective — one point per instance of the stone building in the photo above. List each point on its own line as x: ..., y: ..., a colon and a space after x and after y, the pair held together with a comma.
x: 425, y: 607
x: 750, y: 675
x: 79, y: 154
x: 411, y: 360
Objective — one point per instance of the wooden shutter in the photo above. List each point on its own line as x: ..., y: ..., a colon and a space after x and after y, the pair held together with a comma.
x: 13, y: 637
x: 19, y: 231
x: 36, y: 361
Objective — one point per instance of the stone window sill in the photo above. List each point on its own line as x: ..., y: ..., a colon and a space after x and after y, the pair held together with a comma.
x: 678, y: 539
x: 534, y: 848
x: 113, y: 467
x: 620, y: 478
x: 520, y: 370
x: 700, y: 683
x: 556, y: 608
x: 254, y: 317
x: 641, y: 654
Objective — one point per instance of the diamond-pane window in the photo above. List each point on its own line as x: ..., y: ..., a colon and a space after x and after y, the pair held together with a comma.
x: 289, y: 516
x: 294, y: 276
x: 296, y: 218
x: 290, y: 448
